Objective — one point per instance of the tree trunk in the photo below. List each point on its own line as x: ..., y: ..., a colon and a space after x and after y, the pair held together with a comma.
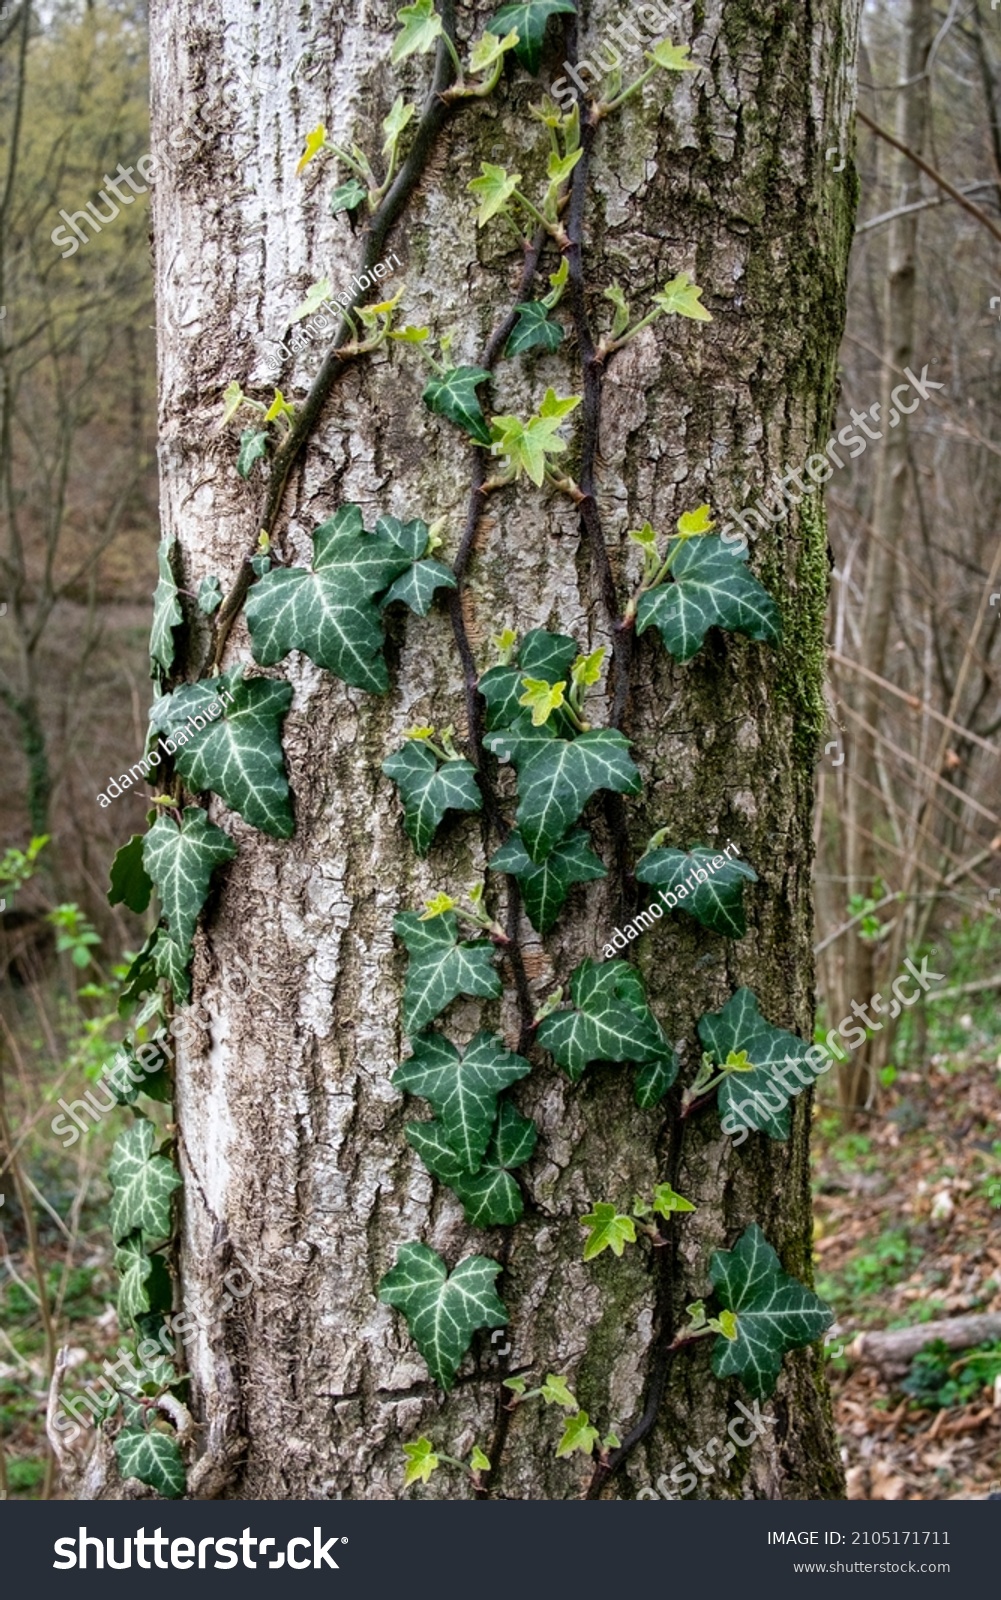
x: 291, y: 1137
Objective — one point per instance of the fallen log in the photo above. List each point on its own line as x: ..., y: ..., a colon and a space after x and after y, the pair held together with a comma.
x: 895, y: 1347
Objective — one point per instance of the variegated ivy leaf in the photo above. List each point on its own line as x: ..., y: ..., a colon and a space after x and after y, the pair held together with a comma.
x: 528, y: 18
x: 759, y: 1098
x: 153, y: 1458
x: 774, y: 1313
x: 541, y: 655
x: 347, y: 196
x: 330, y: 612
x: 462, y: 1090
x: 557, y: 777
x: 708, y: 588
x: 443, y: 1311
x: 209, y: 595
x: 490, y: 1196
x: 416, y: 586
x: 253, y: 445
x: 171, y: 961
x: 608, y: 1230
x: 545, y: 885
x: 181, y: 861
x: 453, y: 395
x: 428, y: 788
x: 534, y: 330
x: 609, y: 1021
x: 441, y: 967
x: 167, y: 613
x: 717, y: 901
x: 144, y: 1282
x: 238, y: 755
x: 142, y: 1184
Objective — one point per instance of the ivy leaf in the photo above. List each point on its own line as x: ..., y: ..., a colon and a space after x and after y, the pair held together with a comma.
x: 142, y: 1184
x: 441, y: 967
x: 232, y: 399
x: 681, y: 296
x: 525, y: 445
x: 421, y: 28
x: 421, y: 1461
x: 774, y: 1313
x: 493, y: 188
x: 417, y: 585
x: 443, y: 1311
x: 542, y: 655
x: 171, y: 961
x: 708, y: 588
x: 488, y: 49
x: 665, y: 1201
x: 167, y: 613
x: 490, y: 1195
x: 140, y: 976
x: 757, y: 1098
x: 545, y: 885
x: 610, y: 1021
x: 145, y: 1282
x: 673, y: 56
x: 541, y: 699
x: 393, y: 125
x: 462, y: 1090
x: 330, y: 612
x: 131, y: 885
x: 555, y: 1392
x: 314, y: 144
x: 557, y: 777
x: 429, y: 789
x: 610, y: 1230
x: 209, y: 595
x: 239, y: 755
x: 528, y: 18
x: 534, y: 329
x: 718, y: 901
x: 153, y: 1458
x: 453, y: 395
x: 479, y: 1460
x: 181, y: 861
x: 577, y: 1435
x: 347, y: 196
x: 253, y: 445
x: 316, y: 294
x: 620, y: 321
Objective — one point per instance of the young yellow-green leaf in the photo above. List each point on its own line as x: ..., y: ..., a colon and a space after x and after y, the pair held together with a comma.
x: 577, y: 1435
x: 673, y: 56
x: 141, y: 1184
x: 488, y: 49
x: 557, y: 283
x: 316, y: 294
x: 238, y: 755
x: 774, y: 1313
x: 453, y: 395
x: 555, y: 1392
x: 681, y: 298
x: 645, y: 537
x: 441, y: 967
x: 545, y: 884
x: 586, y: 670
x: 525, y: 445
x: 437, y: 906
x: 232, y: 400
x: 347, y: 196
x: 314, y: 144
x: 443, y: 1311
x: 167, y: 613
x: 713, y: 897
x: 542, y: 655
x: 181, y: 861
x: 154, y: 1458
x: 421, y: 29
x: 421, y: 1461
x: 393, y: 125
x: 279, y: 407
x: 665, y: 1201
x: 557, y: 777
x: 559, y: 168
x: 727, y: 1324
x: 609, y: 1020
x: 410, y: 334
x: 131, y: 885
x: 462, y: 1089
x: 757, y: 1098
x: 541, y: 698
x: 479, y: 1461
x: 534, y: 329
x: 620, y: 321
x: 253, y: 445
x: 429, y: 788
x: 697, y: 521
x: 528, y: 18
x: 516, y: 1385
x: 709, y: 587
x: 609, y: 1230
x: 493, y: 189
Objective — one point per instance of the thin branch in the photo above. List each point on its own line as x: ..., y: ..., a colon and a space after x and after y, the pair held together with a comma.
x: 930, y: 171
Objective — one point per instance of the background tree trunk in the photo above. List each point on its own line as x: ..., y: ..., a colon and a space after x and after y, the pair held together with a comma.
x: 292, y: 1142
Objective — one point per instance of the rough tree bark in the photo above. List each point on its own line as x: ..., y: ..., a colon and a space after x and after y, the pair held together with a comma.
x: 291, y: 1137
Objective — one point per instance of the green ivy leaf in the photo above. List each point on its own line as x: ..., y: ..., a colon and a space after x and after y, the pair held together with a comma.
x: 140, y: 976
x: 400, y: 113
x: 577, y: 1435
x: 479, y: 1460
x: 555, y: 1392
x: 493, y: 188
x: 533, y: 330
x: 348, y: 196
x: 239, y: 755
x: 757, y: 1098
x: 171, y: 961
x: 718, y: 901
x: 145, y: 1282
x: 528, y: 18
x: 453, y: 395
x: 316, y: 295
x: 441, y: 967
x: 429, y: 788
x: 142, y: 1184
x: 209, y: 595
x: 545, y: 885
x: 417, y: 585
x: 490, y: 1196
x: 181, y: 861
x: 253, y: 445
x: 620, y: 321
x: 665, y: 1201
x: 541, y: 655
x: 609, y: 1021
x: 421, y: 28
x: 673, y: 56
x: 462, y: 1090
x: 167, y: 613
x: 774, y: 1313
x: 443, y: 1311
x: 421, y: 1461
x: 130, y: 883
x: 557, y: 777
x: 708, y: 588
x: 609, y: 1230
x: 153, y: 1458
x: 681, y: 296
